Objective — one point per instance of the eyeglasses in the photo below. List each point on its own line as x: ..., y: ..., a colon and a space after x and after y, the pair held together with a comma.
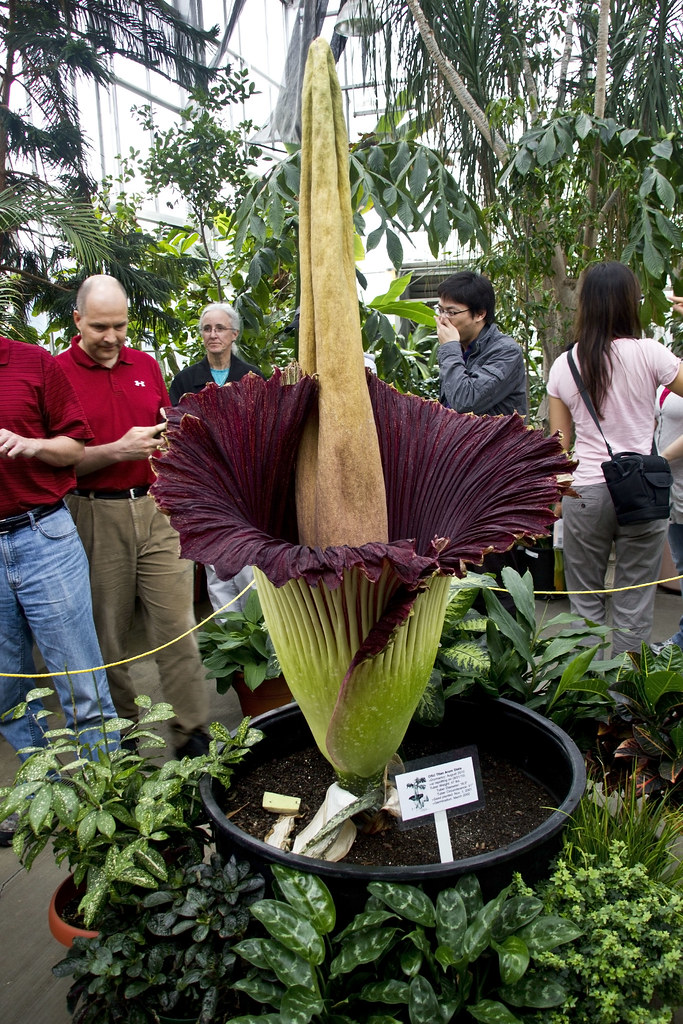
x: 451, y: 312
x: 219, y: 329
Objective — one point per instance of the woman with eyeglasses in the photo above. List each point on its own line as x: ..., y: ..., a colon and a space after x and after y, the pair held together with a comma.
x: 621, y: 371
x: 219, y: 326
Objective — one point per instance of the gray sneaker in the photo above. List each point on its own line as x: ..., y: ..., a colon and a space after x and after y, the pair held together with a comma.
x: 662, y: 645
x: 7, y: 829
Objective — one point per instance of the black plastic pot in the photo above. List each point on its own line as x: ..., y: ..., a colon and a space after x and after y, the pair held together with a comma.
x: 540, y: 749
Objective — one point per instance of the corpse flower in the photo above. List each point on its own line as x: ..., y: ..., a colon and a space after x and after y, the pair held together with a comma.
x: 354, y: 503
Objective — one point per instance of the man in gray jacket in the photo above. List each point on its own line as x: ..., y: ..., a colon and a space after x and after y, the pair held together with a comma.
x: 481, y: 369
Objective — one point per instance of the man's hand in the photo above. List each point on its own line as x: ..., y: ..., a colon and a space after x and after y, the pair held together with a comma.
x: 445, y: 331
x: 139, y: 443
x: 677, y: 303
x: 14, y: 446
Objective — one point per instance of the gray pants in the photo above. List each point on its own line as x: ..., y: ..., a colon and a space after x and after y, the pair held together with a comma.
x: 590, y: 527
x: 223, y: 591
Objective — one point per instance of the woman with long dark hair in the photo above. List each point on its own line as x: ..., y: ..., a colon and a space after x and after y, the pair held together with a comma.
x: 621, y: 372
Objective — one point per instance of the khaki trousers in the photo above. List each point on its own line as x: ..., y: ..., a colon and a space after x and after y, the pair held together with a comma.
x: 134, y: 552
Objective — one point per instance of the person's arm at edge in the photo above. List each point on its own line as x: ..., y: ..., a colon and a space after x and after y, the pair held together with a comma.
x: 58, y: 451
x: 560, y: 419
x: 675, y: 449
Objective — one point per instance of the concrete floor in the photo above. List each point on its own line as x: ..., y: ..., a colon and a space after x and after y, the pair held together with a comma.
x: 28, y: 990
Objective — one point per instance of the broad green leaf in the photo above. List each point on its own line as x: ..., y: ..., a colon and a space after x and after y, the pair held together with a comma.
x: 261, y: 990
x: 546, y: 147
x: 548, y: 932
x: 573, y: 677
x: 367, y: 919
x: 86, y: 829
x: 65, y: 804
x: 488, y: 1011
x: 508, y: 626
x: 106, y: 824
x: 583, y: 125
x: 41, y: 809
x: 513, y: 959
x: 652, y: 259
x: 663, y: 149
x: 394, y: 248
x: 659, y: 683
x: 516, y: 912
x: 361, y: 948
x: 423, y: 1005
x: 290, y: 968
x: 536, y: 991
x: 451, y: 921
x: 395, y: 291
x: 411, y: 961
x: 407, y: 900
x: 299, y: 1005
x: 665, y: 191
x: 470, y: 892
x: 390, y: 991
x: 309, y: 895
x: 521, y: 590
x: 291, y: 928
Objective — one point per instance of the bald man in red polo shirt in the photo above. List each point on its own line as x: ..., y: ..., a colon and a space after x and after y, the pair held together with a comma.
x: 132, y: 548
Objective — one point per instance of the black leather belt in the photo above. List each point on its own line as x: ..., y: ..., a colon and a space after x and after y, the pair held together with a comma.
x: 132, y: 492
x: 39, y: 512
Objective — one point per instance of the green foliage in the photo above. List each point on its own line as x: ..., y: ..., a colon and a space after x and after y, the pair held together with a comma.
x: 111, y: 819
x: 631, y: 948
x: 650, y: 830
x: 420, y: 961
x: 529, y: 663
x: 168, y: 953
x: 239, y: 642
x: 646, y: 721
x: 47, y: 48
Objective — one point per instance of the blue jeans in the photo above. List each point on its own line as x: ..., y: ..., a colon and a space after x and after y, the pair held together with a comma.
x: 45, y: 596
x: 676, y: 545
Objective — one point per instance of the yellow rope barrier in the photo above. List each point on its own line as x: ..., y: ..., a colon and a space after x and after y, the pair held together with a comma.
x: 135, y: 657
x: 145, y: 654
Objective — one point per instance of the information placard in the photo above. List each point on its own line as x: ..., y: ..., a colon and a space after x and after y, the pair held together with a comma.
x: 448, y: 782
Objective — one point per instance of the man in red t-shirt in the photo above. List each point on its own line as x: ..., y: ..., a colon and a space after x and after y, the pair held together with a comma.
x: 132, y: 548
x: 44, y: 586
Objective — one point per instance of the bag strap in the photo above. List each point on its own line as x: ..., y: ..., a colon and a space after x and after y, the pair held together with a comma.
x: 583, y: 391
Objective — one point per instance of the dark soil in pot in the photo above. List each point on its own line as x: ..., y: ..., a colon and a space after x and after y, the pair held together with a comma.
x: 502, y: 731
x: 514, y: 807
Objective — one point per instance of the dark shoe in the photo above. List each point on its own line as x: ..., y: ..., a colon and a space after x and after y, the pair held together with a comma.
x: 196, y: 745
x: 7, y: 829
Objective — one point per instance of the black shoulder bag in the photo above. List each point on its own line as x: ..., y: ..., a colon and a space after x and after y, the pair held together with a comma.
x: 640, y: 485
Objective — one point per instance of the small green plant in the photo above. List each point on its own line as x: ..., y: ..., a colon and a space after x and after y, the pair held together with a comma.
x: 631, y: 949
x: 169, y: 953
x: 644, y: 729
x: 517, y: 658
x: 404, y: 955
x: 238, y: 642
x: 650, y: 829
x: 114, y: 819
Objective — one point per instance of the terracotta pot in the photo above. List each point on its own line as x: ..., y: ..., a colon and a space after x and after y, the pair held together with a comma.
x: 533, y: 744
x: 272, y: 693
x: 61, y: 929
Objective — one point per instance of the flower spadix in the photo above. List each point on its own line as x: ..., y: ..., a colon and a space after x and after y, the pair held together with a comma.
x: 354, y: 503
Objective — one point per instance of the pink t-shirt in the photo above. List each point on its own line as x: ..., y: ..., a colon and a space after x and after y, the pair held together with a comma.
x: 639, y: 366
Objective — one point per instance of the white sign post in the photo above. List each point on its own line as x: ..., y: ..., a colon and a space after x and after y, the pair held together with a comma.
x: 435, y: 789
